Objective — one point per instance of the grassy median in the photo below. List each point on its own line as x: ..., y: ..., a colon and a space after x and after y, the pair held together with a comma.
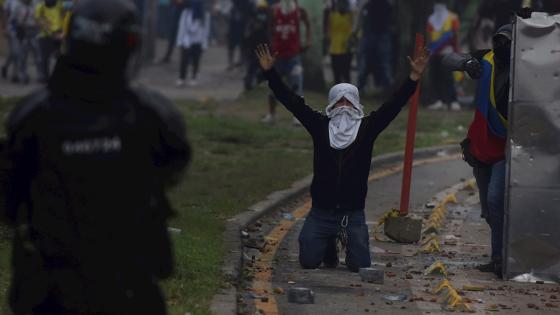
x: 237, y: 162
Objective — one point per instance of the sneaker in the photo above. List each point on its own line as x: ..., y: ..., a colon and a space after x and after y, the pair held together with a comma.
x: 437, y: 106
x: 455, y: 106
x: 180, y: 83
x: 296, y: 122
x: 193, y: 82
x: 268, y: 119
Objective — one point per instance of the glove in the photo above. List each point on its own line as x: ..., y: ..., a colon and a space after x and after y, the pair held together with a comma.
x: 473, y: 68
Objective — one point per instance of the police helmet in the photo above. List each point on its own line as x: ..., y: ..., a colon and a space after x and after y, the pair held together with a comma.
x: 103, y: 36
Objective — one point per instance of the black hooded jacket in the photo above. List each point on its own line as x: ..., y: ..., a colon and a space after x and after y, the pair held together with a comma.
x: 340, y: 177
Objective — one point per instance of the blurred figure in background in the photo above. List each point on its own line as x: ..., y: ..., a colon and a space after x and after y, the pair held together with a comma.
x: 26, y: 30
x: 239, y: 15
x: 8, y: 31
x: 257, y: 33
x: 375, y: 51
x: 499, y: 11
x: 338, y: 32
x: 192, y: 38
x: 68, y: 9
x: 219, y: 29
x: 286, y: 19
x: 443, y: 36
x: 49, y: 16
x: 177, y: 9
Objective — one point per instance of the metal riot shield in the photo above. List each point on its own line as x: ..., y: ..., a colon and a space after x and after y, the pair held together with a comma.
x: 532, y: 214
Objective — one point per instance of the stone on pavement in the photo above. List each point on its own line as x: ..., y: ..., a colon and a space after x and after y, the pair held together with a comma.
x: 301, y: 296
x: 372, y: 275
x: 403, y: 229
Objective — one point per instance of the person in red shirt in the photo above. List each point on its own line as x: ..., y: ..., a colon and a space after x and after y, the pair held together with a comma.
x: 285, y: 28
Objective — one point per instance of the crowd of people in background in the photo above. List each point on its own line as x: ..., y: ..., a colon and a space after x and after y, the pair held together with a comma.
x: 33, y: 28
x: 360, y: 39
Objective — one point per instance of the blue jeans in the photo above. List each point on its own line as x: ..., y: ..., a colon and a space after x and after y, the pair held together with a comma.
x: 491, y: 184
x: 317, y: 240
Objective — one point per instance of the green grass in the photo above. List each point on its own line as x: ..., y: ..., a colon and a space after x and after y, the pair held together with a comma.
x: 237, y: 162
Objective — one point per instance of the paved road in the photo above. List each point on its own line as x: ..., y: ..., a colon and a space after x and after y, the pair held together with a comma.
x: 339, y: 291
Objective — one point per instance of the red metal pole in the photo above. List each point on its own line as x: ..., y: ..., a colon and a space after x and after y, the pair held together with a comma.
x: 410, y: 137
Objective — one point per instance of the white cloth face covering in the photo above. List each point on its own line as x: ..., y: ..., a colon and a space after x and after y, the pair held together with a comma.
x: 344, y: 121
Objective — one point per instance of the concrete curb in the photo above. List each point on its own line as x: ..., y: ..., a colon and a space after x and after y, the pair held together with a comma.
x: 225, y: 302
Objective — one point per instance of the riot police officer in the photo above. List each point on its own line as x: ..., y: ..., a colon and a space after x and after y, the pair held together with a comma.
x: 89, y: 159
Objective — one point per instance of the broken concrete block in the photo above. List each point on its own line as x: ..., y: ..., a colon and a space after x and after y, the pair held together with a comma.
x: 403, y: 229
x: 372, y: 275
x: 301, y: 295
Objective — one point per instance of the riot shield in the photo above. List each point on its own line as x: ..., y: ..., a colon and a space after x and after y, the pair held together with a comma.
x: 532, y: 214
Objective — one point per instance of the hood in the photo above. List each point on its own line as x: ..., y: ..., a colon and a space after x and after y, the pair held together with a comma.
x: 348, y: 91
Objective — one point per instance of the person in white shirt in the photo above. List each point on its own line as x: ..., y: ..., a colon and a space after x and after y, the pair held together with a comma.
x: 194, y: 30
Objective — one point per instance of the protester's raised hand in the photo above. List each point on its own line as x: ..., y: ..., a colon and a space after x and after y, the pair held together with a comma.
x: 266, y: 59
x: 419, y: 63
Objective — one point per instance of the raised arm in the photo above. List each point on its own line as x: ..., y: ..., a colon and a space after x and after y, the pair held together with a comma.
x: 390, y: 109
x: 293, y: 102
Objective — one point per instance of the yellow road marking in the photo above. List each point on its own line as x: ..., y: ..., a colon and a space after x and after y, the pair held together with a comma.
x: 262, y: 284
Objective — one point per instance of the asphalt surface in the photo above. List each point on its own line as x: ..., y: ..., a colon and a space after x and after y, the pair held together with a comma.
x: 273, y: 268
